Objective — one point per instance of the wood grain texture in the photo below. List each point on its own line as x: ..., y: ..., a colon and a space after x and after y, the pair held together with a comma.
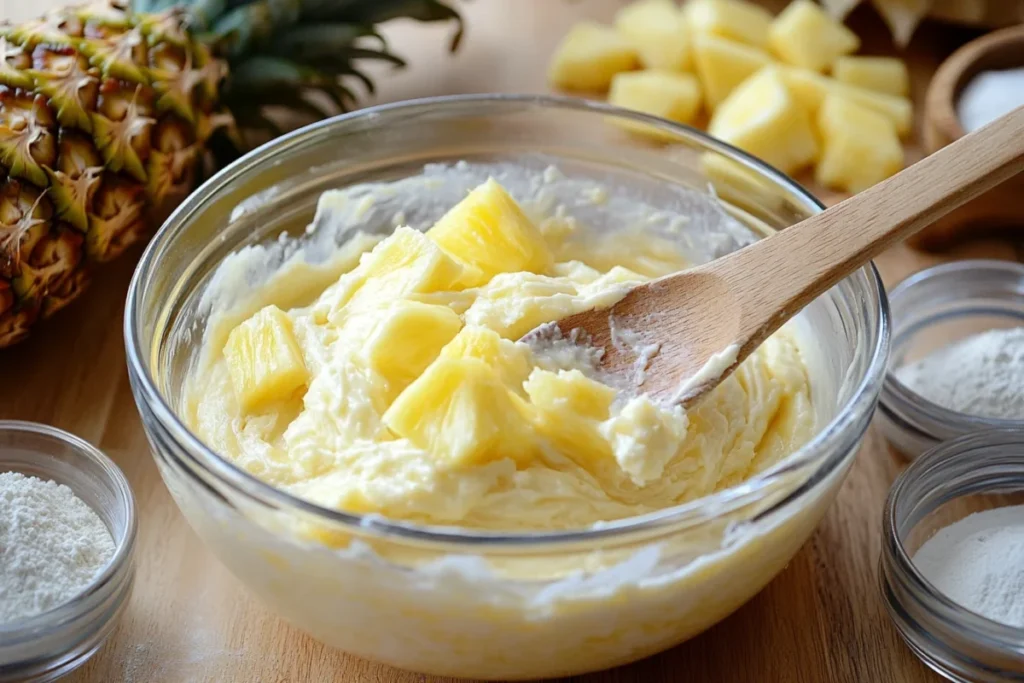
x: 741, y: 299
x: 188, y: 620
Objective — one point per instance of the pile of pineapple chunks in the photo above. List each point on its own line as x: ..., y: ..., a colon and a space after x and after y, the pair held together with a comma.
x: 787, y: 89
x: 465, y: 393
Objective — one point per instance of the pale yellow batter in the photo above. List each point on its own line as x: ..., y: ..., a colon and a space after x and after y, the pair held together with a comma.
x: 391, y: 393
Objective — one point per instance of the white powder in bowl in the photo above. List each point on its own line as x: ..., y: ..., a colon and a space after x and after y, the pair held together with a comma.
x: 982, y: 375
x: 52, y: 545
x: 978, y: 563
x: 988, y: 96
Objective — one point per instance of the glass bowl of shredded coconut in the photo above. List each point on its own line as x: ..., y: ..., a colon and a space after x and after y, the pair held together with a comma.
x: 953, y: 556
x: 67, y: 535
x: 957, y: 363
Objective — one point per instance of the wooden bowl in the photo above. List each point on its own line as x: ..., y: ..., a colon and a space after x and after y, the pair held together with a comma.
x: 1001, y: 210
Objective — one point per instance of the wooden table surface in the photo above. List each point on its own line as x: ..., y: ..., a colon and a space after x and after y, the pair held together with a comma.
x: 190, y: 621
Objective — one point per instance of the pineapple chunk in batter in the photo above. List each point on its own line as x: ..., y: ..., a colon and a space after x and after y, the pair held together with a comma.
x: 489, y: 234
x: 408, y: 338
x: 461, y: 413
x: 264, y: 360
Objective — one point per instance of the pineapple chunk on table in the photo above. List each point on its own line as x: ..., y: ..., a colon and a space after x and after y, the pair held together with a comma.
x: 670, y: 95
x: 899, y: 110
x: 488, y: 233
x: 723, y: 64
x: 804, y: 35
x: 738, y: 20
x: 860, y: 146
x: 510, y: 360
x: 589, y: 56
x: 264, y: 360
x: 763, y: 118
x: 887, y: 75
x: 811, y: 88
x: 460, y: 411
x: 407, y: 339
x: 657, y: 31
x: 569, y: 409
x: 808, y: 87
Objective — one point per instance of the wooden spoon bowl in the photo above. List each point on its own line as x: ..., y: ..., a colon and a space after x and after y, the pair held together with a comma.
x: 1000, y: 210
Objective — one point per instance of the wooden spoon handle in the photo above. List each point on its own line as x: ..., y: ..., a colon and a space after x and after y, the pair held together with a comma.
x: 778, y: 276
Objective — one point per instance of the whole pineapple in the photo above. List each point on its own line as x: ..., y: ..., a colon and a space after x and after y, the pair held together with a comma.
x: 107, y: 116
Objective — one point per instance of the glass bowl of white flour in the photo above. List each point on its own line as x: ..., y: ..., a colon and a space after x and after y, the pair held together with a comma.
x: 952, y: 564
x: 957, y: 361
x: 67, y: 540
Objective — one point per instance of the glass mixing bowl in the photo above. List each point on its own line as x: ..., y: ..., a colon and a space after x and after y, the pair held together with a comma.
x: 458, y: 602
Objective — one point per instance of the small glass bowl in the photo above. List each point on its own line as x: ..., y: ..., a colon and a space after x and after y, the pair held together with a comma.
x: 975, y: 472
x: 46, y: 646
x: 933, y: 308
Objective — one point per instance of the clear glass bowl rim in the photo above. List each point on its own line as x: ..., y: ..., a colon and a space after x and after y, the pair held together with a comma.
x: 824, y: 452
x: 929, y: 598
x: 40, y: 625
x: 898, y: 399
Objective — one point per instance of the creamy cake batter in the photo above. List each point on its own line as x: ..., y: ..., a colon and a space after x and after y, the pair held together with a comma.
x: 407, y: 394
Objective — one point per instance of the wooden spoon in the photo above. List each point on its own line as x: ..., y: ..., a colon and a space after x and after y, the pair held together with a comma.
x: 708, y: 319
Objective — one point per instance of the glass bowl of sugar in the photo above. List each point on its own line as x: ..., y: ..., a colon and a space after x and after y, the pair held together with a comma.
x: 67, y: 539
x: 957, y: 361
x: 952, y: 563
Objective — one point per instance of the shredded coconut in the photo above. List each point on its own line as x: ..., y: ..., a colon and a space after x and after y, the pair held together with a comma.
x: 978, y: 562
x: 52, y: 545
x: 982, y: 375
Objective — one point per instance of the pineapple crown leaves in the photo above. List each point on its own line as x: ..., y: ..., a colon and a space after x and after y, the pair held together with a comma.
x: 366, y: 13
x: 296, y: 54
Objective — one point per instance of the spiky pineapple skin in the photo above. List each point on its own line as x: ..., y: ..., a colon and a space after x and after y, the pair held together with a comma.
x: 104, y: 116
x: 107, y: 115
